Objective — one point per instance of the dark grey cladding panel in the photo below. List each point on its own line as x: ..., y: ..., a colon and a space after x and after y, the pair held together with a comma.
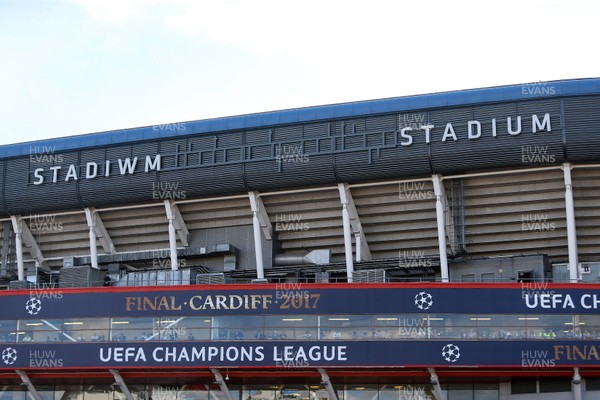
x: 198, y: 182
x: 257, y: 137
x: 3, y: 212
x: 117, y: 188
x: 293, y: 171
x: 287, y: 133
x: 582, y: 120
x: 385, y: 122
x: 23, y: 197
x: 526, y: 149
x: 321, y: 129
x: 385, y: 163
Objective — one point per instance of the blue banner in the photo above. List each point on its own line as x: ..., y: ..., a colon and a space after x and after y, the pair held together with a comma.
x: 529, y: 355
x: 538, y: 298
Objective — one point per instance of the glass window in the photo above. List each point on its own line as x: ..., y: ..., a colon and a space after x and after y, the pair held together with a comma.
x: 239, y: 327
x: 131, y: 329
x: 523, y: 387
x: 555, y: 385
x: 361, y: 392
x: 299, y: 327
x: 345, y: 326
x: 84, y: 329
x: 41, y: 330
x: 486, y: 391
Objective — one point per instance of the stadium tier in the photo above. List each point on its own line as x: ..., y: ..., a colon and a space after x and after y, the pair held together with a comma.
x: 440, y: 246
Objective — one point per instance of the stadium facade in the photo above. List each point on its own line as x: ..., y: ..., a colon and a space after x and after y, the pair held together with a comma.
x: 439, y: 246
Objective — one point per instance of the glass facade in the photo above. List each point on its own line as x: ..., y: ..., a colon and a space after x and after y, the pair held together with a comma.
x: 397, y: 391
x: 304, y: 327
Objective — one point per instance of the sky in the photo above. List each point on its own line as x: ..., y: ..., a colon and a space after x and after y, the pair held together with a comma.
x: 80, y: 66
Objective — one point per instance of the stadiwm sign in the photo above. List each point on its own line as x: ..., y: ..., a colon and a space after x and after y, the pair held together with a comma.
x: 121, y: 166
x: 131, y: 165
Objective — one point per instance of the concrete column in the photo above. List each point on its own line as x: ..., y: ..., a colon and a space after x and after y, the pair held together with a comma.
x: 576, y: 384
x: 358, y: 240
x: 91, y: 221
x: 571, y: 230
x: 18, y: 228
x: 173, y: 245
x: 260, y: 266
x: 347, y: 241
x: 438, y: 190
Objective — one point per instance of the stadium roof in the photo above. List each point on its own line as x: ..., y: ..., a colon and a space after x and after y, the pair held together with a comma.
x: 525, y: 91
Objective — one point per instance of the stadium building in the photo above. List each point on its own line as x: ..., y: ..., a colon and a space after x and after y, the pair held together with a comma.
x: 440, y: 246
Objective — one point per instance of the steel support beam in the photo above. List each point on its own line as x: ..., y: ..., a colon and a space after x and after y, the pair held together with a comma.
x: 328, y: 385
x: 180, y: 226
x: 172, y: 236
x: 23, y: 236
x: 31, y: 390
x: 260, y: 222
x: 122, y: 385
x: 222, y: 383
x: 93, y: 220
x: 435, y: 382
x: 440, y: 206
x: 363, y: 252
x: 571, y: 230
x: 257, y: 206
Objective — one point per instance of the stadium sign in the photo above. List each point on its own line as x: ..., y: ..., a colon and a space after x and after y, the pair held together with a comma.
x: 123, y: 166
x: 474, y: 130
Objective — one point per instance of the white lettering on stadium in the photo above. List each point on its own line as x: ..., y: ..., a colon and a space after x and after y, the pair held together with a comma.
x: 124, y: 166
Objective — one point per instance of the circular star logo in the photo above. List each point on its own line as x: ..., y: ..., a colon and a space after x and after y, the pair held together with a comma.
x: 423, y: 300
x: 451, y: 353
x: 33, y: 306
x: 9, y: 356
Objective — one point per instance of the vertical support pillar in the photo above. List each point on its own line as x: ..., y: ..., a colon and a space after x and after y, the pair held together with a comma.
x: 90, y: 216
x: 438, y: 190
x: 328, y: 385
x: 571, y: 230
x: 222, y: 383
x: 576, y: 384
x: 260, y: 267
x: 18, y: 228
x: 435, y: 382
x: 172, y: 236
x: 347, y: 232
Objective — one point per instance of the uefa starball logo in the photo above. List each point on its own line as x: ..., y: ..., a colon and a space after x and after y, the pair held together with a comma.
x: 33, y: 306
x: 451, y: 353
x: 424, y: 300
x: 9, y: 356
